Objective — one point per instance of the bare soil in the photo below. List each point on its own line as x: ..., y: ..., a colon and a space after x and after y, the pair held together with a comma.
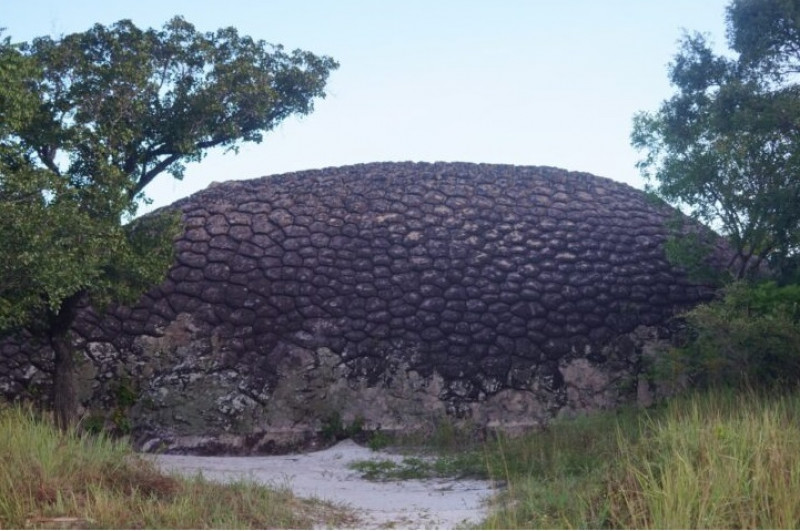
x: 325, y: 474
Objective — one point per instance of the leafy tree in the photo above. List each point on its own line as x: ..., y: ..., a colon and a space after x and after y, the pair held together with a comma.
x: 727, y: 144
x: 87, y: 121
x: 750, y: 337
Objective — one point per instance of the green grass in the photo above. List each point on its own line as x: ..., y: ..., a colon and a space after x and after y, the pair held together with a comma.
x: 717, y: 459
x: 720, y: 459
x: 445, y: 451
x: 54, y: 480
x: 555, y: 477
x: 465, y: 464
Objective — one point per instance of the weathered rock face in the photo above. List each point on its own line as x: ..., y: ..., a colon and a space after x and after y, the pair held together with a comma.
x: 395, y: 294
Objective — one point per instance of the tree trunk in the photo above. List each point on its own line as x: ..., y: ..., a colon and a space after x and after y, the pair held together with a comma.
x: 65, y: 392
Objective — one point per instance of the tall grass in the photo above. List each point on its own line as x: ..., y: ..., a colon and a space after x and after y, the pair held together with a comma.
x: 716, y: 459
x: 719, y: 459
x: 555, y: 478
x: 54, y: 480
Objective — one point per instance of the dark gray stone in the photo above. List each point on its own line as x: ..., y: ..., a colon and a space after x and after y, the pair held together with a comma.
x: 394, y: 293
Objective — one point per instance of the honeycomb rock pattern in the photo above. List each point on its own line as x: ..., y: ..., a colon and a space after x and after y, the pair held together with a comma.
x: 391, y: 293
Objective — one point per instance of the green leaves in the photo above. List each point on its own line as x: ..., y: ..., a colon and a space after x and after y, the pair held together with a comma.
x: 52, y: 246
x: 750, y: 337
x: 152, y: 100
x: 88, y: 120
x: 726, y: 145
x: 766, y: 34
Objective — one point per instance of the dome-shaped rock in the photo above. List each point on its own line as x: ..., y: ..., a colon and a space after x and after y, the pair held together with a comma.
x: 391, y: 295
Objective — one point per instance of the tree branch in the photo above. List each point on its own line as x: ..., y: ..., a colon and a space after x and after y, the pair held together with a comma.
x: 148, y: 176
x: 46, y: 154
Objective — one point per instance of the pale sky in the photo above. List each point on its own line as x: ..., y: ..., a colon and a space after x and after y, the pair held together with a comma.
x: 536, y: 82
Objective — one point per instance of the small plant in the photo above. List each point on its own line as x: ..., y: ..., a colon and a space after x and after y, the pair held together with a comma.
x: 376, y: 469
x: 334, y: 430
x: 378, y: 439
x: 386, y: 469
x: 457, y: 465
x: 93, y: 424
x: 125, y: 393
x: 442, y: 435
x: 117, y: 420
x: 121, y: 420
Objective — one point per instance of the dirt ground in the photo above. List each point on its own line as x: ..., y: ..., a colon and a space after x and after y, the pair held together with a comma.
x: 410, y: 504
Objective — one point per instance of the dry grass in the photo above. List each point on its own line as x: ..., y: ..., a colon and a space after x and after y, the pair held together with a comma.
x: 719, y: 461
x: 52, y: 480
x: 716, y: 460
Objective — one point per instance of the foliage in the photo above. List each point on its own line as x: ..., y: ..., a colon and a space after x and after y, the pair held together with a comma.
x: 691, y: 249
x: 750, y: 337
x: 96, y: 117
x: 378, y: 439
x: 726, y: 144
x: 448, y: 464
x: 763, y: 44
x: 52, y: 247
x: 719, y: 460
x: 87, y: 121
x: 712, y: 460
x: 146, y: 101
x: 334, y: 429
x: 388, y: 469
x: 49, y: 479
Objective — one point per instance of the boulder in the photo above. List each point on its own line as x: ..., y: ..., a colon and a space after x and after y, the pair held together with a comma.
x: 385, y: 296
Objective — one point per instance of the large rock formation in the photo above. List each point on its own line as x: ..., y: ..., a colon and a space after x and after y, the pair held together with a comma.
x: 388, y: 294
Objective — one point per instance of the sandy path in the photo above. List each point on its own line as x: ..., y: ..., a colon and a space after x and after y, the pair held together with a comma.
x: 412, y: 504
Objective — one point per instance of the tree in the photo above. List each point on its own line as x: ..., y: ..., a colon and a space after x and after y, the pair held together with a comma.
x: 87, y: 121
x: 727, y: 144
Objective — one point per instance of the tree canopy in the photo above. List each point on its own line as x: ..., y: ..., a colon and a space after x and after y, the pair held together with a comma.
x: 87, y: 121
x: 727, y: 144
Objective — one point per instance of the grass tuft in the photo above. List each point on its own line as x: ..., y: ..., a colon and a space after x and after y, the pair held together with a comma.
x: 715, y: 459
x: 54, y: 480
x: 718, y: 459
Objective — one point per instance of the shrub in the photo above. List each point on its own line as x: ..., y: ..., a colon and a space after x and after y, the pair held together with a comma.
x: 749, y: 337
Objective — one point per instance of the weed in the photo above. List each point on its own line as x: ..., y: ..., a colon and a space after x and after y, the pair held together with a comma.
x: 378, y: 440
x: 718, y: 459
x: 386, y: 469
x: 125, y: 393
x: 333, y: 428
x: 446, y: 465
x: 52, y: 479
x: 93, y: 424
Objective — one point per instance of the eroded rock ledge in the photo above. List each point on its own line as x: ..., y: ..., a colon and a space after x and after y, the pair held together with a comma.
x: 392, y: 294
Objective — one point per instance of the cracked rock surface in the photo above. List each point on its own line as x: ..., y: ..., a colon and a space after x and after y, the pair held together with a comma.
x: 383, y: 296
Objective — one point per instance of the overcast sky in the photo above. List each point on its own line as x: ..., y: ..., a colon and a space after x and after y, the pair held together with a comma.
x: 536, y: 82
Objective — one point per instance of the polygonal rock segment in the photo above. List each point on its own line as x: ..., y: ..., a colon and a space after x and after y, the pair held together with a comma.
x: 480, y: 280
